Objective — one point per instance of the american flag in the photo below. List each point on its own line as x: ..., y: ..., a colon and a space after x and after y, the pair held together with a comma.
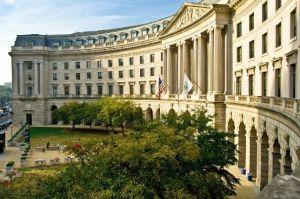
x: 161, y: 87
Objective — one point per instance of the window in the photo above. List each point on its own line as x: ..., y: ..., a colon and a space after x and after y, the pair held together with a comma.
x: 29, y: 77
x: 131, y: 61
x: 239, y: 54
x: 77, y: 65
x: 161, y: 70
x: 54, y: 66
x: 152, y: 58
x: 99, y: 64
x: 265, y: 11
x: 29, y: 91
x: 66, y: 65
x: 239, y: 29
x: 278, y: 4
x: 131, y: 89
x: 161, y: 56
x: 89, y: 90
x: 56, y: 43
x: 152, y: 89
x: 152, y: 71
x: 142, y: 72
x: 77, y: 76
x: 251, y: 49
x: 112, y: 38
x: 121, y: 74
x: 293, y: 24
x: 90, y: 41
x: 54, y: 76
x: 79, y: 42
x: 77, y: 89
x: 110, y: 63
x: 142, y: 61
x: 293, y: 80
x: 100, y: 89
x: 102, y: 40
x: 121, y: 89
x: 145, y: 31
x: 99, y: 75
x: 68, y: 43
x: 251, y: 85
x: 264, y: 43
x: 155, y: 29
x: 54, y: 90
x: 238, y: 88
x: 88, y: 64
x: 123, y: 36
x: 134, y: 34
x: 251, y: 21
x: 110, y: 74
x: 110, y: 89
x: 88, y: 75
x: 264, y: 83
x: 278, y: 82
x: 131, y: 73
x: 29, y: 65
x: 66, y: 90
x: 142, y: 89
x: 66, y: 76
x: 278, y: 35
x: 120, y: 62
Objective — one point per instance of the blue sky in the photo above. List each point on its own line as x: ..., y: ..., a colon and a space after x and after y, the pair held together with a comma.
x: 68, y: 16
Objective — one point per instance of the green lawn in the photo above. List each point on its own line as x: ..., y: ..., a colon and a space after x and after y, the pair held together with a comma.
x: 41, y: 135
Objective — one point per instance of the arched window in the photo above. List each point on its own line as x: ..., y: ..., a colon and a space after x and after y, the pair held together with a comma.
x: 155, y: 28
x: 145, y: 31
x: 91, y: 41
x: 134, y: 34
x: 102, y: 39
x: 123, y: 36
x: 79, y: 42
x: 112, y: 38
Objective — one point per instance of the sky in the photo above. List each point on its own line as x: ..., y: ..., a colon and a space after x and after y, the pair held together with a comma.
x: 68, y: 16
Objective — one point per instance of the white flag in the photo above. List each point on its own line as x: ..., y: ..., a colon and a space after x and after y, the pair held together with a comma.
x: 187, y: 84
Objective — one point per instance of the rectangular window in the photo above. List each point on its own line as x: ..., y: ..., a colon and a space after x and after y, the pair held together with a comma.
x: 88, y: 75
x: 161, y: 70
x: 238, y: 89
x: 77, y: 90
x: 239, y: 29
x: 110, y: 89
x: 121, y: 74
x: 54, y: 76
x: 66, y: 65
x: 152, y: 89
x: 29, y: 65
x: 131, y: 73
x: 110, y: 74
x: 251, y: 21
x: 131, y: 61
x: 293, y: 80
x: 99, y: 75
x: 77, y: 65
x: 264, y: 83
x: 131, y: 89
x: 54, y: 66
x: 278, y: 4
x: 293, y: 24
x: 142, y: 61
x: 152, y: 58
x: 120, y: 62
x: 251, y: 49
x: 77, y: 76
x: 89, y: 90
x: 278, y: 35
x: 110, y: 63
x: 66, y: 90
x: 66, y: 76
x: 142, y: 89
x: 161, y: 56
x: 121, y: 89
x: 88, y: 64
x: 278, y: 82
x: 265, y: 11
x: 152, y: 71
x: 54, y: 90
x: 29, y: 91
x: 99, y: 64
x: 239, y: 54
x: 264, y: 43
x: 142, y: 72
x: 251, y: 85
x: 100, y: 89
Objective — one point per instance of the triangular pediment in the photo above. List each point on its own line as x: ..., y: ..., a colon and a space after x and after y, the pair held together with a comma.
x: 188, y: 14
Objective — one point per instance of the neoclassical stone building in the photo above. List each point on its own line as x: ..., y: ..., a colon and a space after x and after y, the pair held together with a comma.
x: 242, y: 57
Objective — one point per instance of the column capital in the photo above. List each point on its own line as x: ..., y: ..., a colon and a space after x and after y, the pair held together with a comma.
x: 219, y: 26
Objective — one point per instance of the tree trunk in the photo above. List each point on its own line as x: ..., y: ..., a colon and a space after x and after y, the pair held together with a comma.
x: 73, y: 125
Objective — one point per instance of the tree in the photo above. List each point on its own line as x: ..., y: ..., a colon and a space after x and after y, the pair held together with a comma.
x: 90, y: 112
x: 71, y: 112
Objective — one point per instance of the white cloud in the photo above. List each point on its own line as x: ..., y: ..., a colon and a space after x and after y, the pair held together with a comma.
x: 11, y: 2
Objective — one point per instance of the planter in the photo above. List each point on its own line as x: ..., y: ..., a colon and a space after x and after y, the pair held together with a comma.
x: 249, y: 177
x: 23, y: 163
x: 9, y: 170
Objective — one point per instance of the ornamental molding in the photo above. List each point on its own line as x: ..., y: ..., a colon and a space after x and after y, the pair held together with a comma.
x: 277, y: 62
x: 251, y: 70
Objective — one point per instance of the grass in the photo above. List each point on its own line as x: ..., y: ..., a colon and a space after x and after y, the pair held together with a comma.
x: 41, y: 135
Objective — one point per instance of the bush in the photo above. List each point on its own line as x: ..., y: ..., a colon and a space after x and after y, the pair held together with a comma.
x: 10, y: 164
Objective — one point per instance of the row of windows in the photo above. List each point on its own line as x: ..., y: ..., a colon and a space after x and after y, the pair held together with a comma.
x: 109, y: 62
x: 110, y: 74
x: 100, y: 89
x: 293, y: 29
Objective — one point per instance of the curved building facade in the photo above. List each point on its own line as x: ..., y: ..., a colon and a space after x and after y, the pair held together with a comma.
x: 241, y: 56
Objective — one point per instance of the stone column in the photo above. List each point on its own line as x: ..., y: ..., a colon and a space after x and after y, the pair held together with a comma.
x: 169, y: 70
x: 218, y: 66
x: 165, y: 67
x: 15, y: 80
x: 228, y: 60
x: 42, y: 79
x: 22, y: 78
x: 210, y: 61
x: 185, y: 60
x: 36, y: 78
x: 195, y: 62
x: 180, y: 69
x: 202, y: 70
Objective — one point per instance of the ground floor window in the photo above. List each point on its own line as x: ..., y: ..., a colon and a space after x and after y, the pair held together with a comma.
x: 238, y: 87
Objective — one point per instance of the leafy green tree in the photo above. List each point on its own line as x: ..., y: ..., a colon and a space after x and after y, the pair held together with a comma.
x: 71, y: 112
x: 90, y: 112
